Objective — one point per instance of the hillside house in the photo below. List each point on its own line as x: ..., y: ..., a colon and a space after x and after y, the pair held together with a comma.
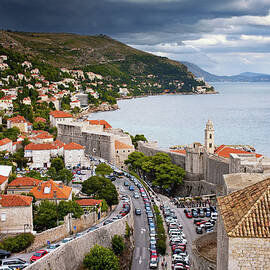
x: 19, y: 122
x: 90, y: 205
x: 6, y: 103
x: 6, y: 145
x: 59, y: 117
x: 75, y: 103
x: 74, y: 155
x: 39, y: 155
x: 22, y: 185
x: 50, y: 190
x: 27, y: 101
x: 16, y: 214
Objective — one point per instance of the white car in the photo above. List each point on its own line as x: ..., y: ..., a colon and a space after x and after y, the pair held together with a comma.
x: 153, y: 263
x: 214, y: 215
x: 65, y: 240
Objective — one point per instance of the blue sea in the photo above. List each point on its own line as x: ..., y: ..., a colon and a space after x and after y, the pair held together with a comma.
x: 240, y: 113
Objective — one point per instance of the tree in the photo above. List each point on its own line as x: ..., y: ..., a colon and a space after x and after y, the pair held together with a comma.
x: 103, y: 169
x: 19, y: 159
x: 12, y: 133
x: 39, y: 126
x: 101, y: 258
x: 66, y: 207
x: 118, y: 244
x: 101, y: 188
x: 64, y: 175
x: 46, y: 216
x: 25, y: 142
x: 135, y: 160
x: 137, y: 138
x: 58, y: 164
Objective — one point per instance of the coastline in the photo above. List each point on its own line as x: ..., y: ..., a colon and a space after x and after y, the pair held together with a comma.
x: 108, y: 107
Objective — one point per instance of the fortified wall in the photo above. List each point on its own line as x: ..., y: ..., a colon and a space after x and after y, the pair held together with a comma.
x: 70, y: 255
x: 97, y: 143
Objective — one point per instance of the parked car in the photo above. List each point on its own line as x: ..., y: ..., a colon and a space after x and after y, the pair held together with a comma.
x: 188, y: 214
x: 136, y: 195
x: 108, y: 221
x: 4, y: 254
x: 194, y: 213
x: 92, y: 229
x: 14, y: 263
x: 138, y: 211
x: 199, y: 230
x: 126, y: 184
x: 67, y: 239
x: 38, y: 255
x: 214, y: 215
x: 52, y: 247
x: 201, y: 213
x: 131, y: 188
x: 153, y: 263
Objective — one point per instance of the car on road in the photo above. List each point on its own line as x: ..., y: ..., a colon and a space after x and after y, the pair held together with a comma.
x: 201, y: 213
x: 136, y: 195
x: 14, y: 263
x: 67, y: 239
x: 208, y: 213
x: 152, y: 247
x: 209, y: 229
x: 153, y: 263
x: 153, y: 240
x: 138, y: 211
x: 4, y: 254
x: 188, y: 214
x: 38, y: 255
x: 214, y: 215
x: 199, y: 230
x: 52, y: 247
x: 126, y: 184
x: 92, y: 229
x: 150, y: 214
x: 194, y: 213
x: 108, y: 221
x: 131, y: 188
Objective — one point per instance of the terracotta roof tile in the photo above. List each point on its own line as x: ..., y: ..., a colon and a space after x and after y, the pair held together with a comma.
x: 3, y: 179
x: 24, y: 181
x: 5, y: 141
x: 62, y: 192
x: 12, y: 200
x: 60, y: 114
x: 40, y: 146
x: 40, y: 119
x: 100, y: 122
x: 120, y: 145
x: 17, y: 119
x: 73, y: 146
x: 226, y: 151
x: 246, y: 212
x: 183, y: 152
x: 89, y: 202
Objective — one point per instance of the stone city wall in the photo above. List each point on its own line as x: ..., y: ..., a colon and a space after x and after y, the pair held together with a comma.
x: 198, y: 261
x: 70, y: 255
x: 249, y: 253
x: 149, y: 150
x: 64, y: 230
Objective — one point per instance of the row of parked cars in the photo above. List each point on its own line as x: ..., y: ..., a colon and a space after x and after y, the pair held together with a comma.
x: 199, y: 215
x: 178, y: 242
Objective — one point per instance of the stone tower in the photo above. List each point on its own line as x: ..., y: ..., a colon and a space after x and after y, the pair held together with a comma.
x: 209, y: 137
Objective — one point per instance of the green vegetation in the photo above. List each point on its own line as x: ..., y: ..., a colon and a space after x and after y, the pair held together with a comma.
x: 101, y: 258
x: 161, y: 235
x: 66, y: 207
x: 158, y: 169
x: 118, y: 244
x: 136, y: 138
x: 17, y: 243
x: 11, y: 133
x: 103, y: 169
x: 101, y: 188
x: 128, y: 231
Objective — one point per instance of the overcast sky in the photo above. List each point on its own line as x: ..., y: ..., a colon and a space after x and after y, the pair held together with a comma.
x: 222, y: 36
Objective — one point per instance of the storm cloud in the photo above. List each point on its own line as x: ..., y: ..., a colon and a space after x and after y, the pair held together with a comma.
x: 225, y: 38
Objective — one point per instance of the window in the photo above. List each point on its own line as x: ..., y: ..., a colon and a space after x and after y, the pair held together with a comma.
x: 210, y: 136
x: 210, y: 145
x: 3, y: 217
x: 124, y: 151
x: 117, y: 151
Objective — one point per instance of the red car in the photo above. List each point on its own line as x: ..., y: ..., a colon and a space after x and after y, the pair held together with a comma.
x: 37, y: 255
x: 201, y: 222
x: 182, y: 247
x: 188, y: 214
x: 153, y: 254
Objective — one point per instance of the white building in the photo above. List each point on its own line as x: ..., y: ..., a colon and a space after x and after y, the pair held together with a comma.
x: 6, y: 145
x: 74, y: 155
x: 59, y: 117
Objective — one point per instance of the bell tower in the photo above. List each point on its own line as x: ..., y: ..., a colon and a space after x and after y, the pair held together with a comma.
x: 209, y: 137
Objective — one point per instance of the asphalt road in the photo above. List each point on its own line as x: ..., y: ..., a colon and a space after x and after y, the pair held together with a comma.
x: 141, y: 255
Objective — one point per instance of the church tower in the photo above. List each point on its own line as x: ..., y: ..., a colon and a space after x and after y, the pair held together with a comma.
x: 209, y: 138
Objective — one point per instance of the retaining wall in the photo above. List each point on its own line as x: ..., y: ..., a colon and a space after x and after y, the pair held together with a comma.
x: 70, y: 255
x: 198, y: 261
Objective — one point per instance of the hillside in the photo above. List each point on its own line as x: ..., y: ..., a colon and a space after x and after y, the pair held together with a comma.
x: 242, y: 77
x: 144, y: 73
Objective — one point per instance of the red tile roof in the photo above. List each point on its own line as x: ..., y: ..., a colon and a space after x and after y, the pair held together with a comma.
x: 225, y: 151
x: 17, y: 119
x: 40, y: 119
x: 60, y: 114
x: 24, y: 181
x: 3, y: 179
x: 44, y: 135
x: 6, y: 97
x: 73, y: 146
x: 178, y: 151
x: 61, y: 191
x: 12, y: 200
x: 120, y: 145
x: 40, y: 146
x: 89, y: 202
x: 5, y: 141
x: 100, y: 122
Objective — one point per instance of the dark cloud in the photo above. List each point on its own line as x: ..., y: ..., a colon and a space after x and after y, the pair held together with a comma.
x: 147, y: 23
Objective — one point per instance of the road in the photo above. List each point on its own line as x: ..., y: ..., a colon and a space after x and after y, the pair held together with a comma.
x: 141, y: 256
